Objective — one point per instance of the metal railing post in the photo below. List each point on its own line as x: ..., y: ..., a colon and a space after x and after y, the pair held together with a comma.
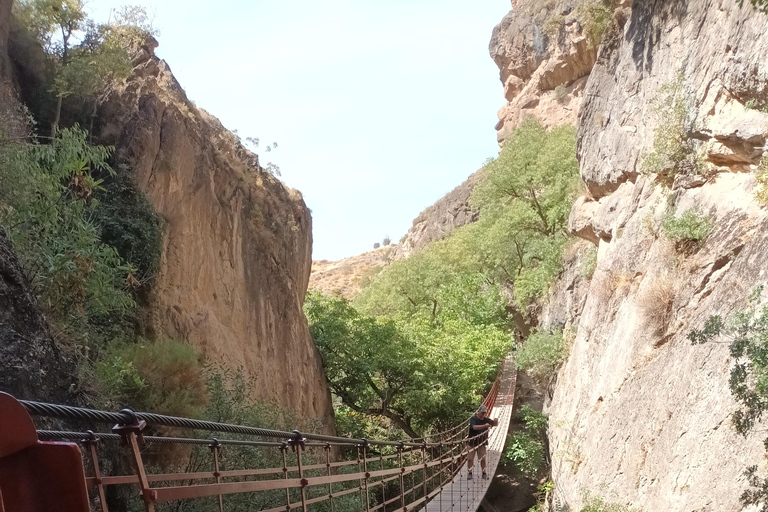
x: 383, y: 483
x: 402, y: 470
x: 215, y: 447
x: 297, y: 444
x: 424, y: 471
x: 364, y: 446
x: 328, y: 468
x: 131, y: 434
x: 284, y: 450
x: 90, y: 443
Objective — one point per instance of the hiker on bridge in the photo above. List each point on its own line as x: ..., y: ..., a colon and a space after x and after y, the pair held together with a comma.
x: 477, y: 439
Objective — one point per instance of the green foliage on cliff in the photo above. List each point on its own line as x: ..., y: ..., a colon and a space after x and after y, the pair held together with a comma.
x: 595, y: 503
x: 129, y: 223
x: 688, y: 230
x: 47, y: 211
x: 525, y: 447
x: 746, y: 333
x: 542, y: 353
x: 760, y: 5
x: 415, y: 370
x: 595, y: 16
x: 672, y: 150
x: 86, y: 58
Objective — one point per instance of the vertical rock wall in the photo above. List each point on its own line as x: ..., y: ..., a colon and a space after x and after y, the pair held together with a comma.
x: 544, y: 59
x: 237, y: 243
x: 640, y: 415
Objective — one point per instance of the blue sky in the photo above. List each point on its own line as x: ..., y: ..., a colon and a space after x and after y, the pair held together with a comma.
x: 379, y: 107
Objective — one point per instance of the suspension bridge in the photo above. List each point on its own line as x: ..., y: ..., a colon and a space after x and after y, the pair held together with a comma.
x: 243, y: 468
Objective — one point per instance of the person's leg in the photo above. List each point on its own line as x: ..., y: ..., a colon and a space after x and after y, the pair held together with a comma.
x: 470, y: 459
x: 481, y: 456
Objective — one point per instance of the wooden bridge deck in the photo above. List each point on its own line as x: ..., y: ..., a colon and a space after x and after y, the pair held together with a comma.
x: 463, y: 495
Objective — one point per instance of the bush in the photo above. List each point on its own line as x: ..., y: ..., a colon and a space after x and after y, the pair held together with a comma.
x: 561, y: 93
x: 164, y: 377
x: 129, y: 223
x: 593, y: 503
x: 525, y: 448
x: 542, y: 353
x: 525, y: 452
x: 47, y: 198
x: 589, y: 263
x: 688, y: 231
x: 595, y: 16
x: 672, y: 151
x: 761, y: 193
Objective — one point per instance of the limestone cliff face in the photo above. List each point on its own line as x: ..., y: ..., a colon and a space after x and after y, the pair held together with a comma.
x: 237, y: 243
x: 638, y: 413
x: 436, y: 222
x: 544, y: 58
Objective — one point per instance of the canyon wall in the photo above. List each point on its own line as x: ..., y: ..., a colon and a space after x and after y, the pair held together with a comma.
x: 638, y: 414
x: 237, y: 243
x: 544, y: 57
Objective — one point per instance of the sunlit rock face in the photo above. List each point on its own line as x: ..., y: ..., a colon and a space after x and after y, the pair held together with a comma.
x: 638, y: 414
x: 436, y: 222
x: 544, y: 57
x: 237, y: 243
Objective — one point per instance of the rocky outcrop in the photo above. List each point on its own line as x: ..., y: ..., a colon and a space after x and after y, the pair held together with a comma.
x: 638, y: 413
x: 345, y: 278
x: 237, y: 243
x: 32, y: 365
x: 545, y: 58
x: 436, y: 222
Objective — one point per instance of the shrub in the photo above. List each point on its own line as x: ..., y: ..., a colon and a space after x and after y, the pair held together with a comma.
x: 761, y: 193
x: 589, y: 263
x: 376, y: 245
x: 672, y: 151
x: 47, y: 197
x: 595, y: 16
x: 165, y: 377
x: 561, y: 93
x: 525, y: 452
x: 129, y: 223
x: 688, y: 231
x: 386, y: 241
x: 542, y: 353
x: 525, y: 448
x: 593, y: 503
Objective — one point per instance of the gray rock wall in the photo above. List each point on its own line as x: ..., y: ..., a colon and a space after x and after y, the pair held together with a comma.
x: 638, y: 414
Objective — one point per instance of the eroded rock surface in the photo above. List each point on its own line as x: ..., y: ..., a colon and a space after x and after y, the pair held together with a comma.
x: 544, y: 58
x: 237, y: 243
x: 436, y: 222
x: 639, y: 414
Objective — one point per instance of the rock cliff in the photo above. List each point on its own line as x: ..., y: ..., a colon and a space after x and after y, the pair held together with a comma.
x: 437, y: 221
x: 639, y: 414
x: 545, y: 57
x: 237, y: 243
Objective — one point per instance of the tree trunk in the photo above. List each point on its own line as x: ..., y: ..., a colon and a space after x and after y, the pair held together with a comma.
x: 57, y: 117
x: 400, y: 422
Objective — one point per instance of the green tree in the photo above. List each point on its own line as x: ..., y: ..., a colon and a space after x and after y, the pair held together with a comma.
x: 416, y: 372
x: 46, y: 194
x: 746, y: 333
x: 102, y: 55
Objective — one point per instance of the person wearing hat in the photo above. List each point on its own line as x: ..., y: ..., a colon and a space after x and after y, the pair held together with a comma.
x: 479, y: 425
